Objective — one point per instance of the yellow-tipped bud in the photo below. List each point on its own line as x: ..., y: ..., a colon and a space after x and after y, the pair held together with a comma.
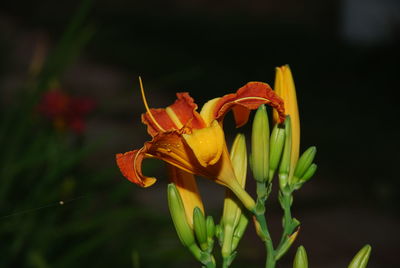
x: 178, y: 215
x: 260, y: 145
x: 285, y: 88
x: 361, y: 258
x: 277, y: 142
x: 300, y: 260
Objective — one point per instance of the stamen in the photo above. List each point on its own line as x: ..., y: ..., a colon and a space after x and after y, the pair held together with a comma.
x: 172, y: 115
x: 147, y: 106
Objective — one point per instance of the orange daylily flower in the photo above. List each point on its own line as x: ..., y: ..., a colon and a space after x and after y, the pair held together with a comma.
x: 195, y: 142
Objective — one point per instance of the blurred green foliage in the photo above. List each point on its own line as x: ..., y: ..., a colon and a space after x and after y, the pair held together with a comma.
x: 54, y: 211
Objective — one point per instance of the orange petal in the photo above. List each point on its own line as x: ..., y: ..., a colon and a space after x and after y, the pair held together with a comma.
x: 130, y: 164
x: 181, y: 113
x: 248, y: 97
x: 169, y: 147
x: 173, y: 149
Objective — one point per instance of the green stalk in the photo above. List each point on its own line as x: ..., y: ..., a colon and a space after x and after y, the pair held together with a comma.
x: 289, y: 226
x: 225, y: 262
x: 287, y: 215
x: 259, y: 213
x: 269, y: 247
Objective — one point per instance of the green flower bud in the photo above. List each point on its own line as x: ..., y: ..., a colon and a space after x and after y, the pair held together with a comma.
x: 305, y: 161
x: 277, y: 142
x: 300, y: 260
x: 238, y: 157
x: 200, y: 229
x: 210, y: 226
x: 260, y: 145
x: 284, y: 168
x: 232, y: 207
x: 361, y: 258
x: 309, y: 173
x: 219, y: 233
x: 178, y: 215
x: 239, y: 230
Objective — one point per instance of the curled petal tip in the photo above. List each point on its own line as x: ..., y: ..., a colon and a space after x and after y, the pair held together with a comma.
x: 249, y: 97
x: 130, y: 164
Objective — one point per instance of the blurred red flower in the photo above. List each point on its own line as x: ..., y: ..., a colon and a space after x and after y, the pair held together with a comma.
x: 65, y: 111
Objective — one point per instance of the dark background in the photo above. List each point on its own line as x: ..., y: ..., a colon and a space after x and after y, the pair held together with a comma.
x: 344, y: 57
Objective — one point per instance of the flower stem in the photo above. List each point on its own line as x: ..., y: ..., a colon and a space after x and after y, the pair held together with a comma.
x: 269, y: 247
x: 289, y: 225
x: 259, y: 213
x: 287, y: 216
x: 225, y: 263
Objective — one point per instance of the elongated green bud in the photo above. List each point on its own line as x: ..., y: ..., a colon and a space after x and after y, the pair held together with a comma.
x: 284, y: 168
x: 238, y: 157
x: 239, y: 230
x: 309, y: 173
x: 210, y: 226
x: 177, y: 211
x: 200, y: 229
x: 277, y: 142
x: 232, y: 207
x: 300, y: 260
x: 361, y: 258
x: 219, y: 233
x: 305, y: 161
x: 260, y: 145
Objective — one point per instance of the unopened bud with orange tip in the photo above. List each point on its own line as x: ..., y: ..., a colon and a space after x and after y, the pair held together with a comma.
x: 284, y: 87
